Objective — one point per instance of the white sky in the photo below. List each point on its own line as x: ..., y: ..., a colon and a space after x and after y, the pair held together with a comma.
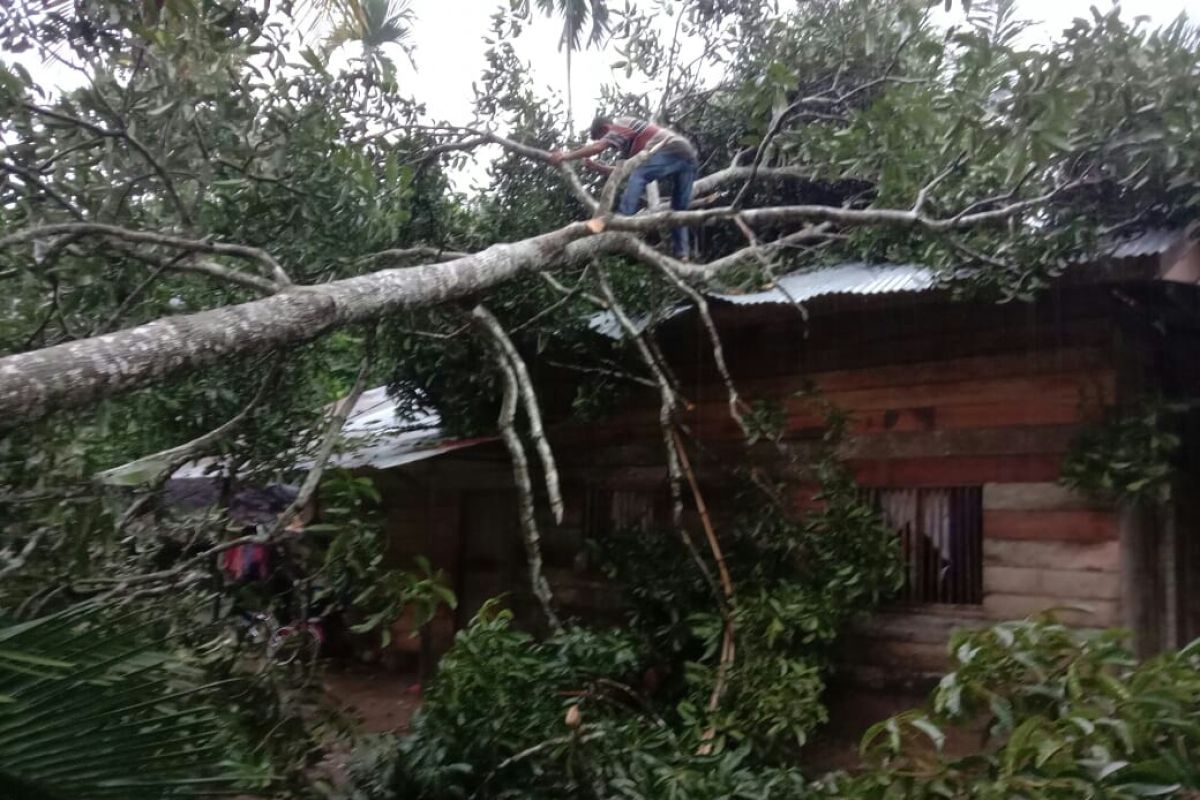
x: 449, y: 54
x: 450, y: 49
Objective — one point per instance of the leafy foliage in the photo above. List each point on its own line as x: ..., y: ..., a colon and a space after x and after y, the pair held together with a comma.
x: 1128, y: 457
x: 353, y: 570
x: 94, y: 705
x: 548, y: 719
x: 1069, y: 715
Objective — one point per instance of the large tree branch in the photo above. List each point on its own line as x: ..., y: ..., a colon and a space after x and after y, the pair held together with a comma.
x: 70, y: 375
x: 852, y: 217
x: 520, y: 464
x: 78, y: 373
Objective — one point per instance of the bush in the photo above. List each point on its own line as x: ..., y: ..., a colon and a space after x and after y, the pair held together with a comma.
x: 1067, y: 715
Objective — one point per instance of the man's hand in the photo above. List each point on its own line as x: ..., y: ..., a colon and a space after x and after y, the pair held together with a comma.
x: 596, y: 166
x: 558, y: 157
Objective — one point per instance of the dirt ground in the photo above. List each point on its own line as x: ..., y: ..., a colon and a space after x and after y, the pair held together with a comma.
x: 382, y: 701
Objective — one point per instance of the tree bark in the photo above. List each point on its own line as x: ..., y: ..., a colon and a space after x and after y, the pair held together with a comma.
x: 77, y: 373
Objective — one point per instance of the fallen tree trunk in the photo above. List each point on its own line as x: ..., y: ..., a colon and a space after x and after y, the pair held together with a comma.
x: 74, y: 374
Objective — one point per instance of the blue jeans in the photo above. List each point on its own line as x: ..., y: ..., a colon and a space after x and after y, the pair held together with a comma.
x: 659, y: 166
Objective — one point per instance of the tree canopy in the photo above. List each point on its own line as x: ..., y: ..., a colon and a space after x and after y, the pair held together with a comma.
x: 216, y: 235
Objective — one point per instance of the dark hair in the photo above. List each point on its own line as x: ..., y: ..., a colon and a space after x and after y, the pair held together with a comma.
x: 600, y: 126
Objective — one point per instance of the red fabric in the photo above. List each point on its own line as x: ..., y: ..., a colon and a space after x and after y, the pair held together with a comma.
x: 245, y: 560
x: 631, y: 135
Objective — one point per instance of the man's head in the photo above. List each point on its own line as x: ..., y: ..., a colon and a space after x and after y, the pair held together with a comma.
x: 600, y: 126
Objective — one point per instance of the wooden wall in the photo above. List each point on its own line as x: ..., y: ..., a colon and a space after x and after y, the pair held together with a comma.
x: 940, y: 394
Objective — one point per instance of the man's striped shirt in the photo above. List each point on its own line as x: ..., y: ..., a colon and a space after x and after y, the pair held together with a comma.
x: 631, y: 136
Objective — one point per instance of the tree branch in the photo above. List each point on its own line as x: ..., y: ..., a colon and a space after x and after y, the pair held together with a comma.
x: 111, y: 133
x: 163, y: 463
x: 516, y: 451
x: 278, y: 275
x: 333, y: 434
x: 34, y: 384
x: 727, y: 639
x: 488, y: 322
x: 32, y: 179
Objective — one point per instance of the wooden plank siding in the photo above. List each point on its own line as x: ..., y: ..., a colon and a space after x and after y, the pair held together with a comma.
x: 938, y: 395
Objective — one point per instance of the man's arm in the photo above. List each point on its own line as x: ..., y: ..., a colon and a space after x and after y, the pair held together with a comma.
x: 598, y: 166
x: 587, y: 151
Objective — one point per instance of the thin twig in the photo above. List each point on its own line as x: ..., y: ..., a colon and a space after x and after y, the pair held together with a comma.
x: 735, y: 402
x: 33, y: 179
x: 610, y: 373
x: 166, y: 462
x: 668, y: 403
x: 119, y: 233
x: 100, y: 130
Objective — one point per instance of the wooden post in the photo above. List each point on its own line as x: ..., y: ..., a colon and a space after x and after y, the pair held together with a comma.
x: 1141, y: 593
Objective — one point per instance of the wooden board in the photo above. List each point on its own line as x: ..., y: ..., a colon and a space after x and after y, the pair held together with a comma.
x: 1086, y: 613
x: 1036, y: 497
x: 1066, y: 584
x: 956, y: 471
x: 1078, y: 525
x: 1097, y: 556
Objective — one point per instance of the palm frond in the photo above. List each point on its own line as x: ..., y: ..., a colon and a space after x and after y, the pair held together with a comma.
x: 105, y: 713
x: 576, y: 16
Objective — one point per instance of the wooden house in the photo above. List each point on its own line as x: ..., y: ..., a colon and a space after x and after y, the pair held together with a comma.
x: 961, y: 414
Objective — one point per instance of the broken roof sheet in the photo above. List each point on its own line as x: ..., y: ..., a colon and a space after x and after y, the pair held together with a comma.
x: 374, y: 435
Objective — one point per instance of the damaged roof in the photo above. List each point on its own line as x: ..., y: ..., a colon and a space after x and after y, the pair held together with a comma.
x: 374, y: 435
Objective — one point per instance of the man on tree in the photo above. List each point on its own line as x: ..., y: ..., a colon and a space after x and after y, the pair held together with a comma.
x: 673, y: 156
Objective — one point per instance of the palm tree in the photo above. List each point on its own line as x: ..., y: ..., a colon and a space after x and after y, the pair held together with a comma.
x: 576, y: 14
x: 371, y: 23
x: 92, y: 708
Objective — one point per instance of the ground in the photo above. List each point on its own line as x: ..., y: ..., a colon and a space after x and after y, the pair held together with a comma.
x: 379, y: 700
x: 382, y: 701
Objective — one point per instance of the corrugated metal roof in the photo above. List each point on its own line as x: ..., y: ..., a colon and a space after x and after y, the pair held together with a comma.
x: 1148, y: 243
x: 871, y: 279
x: 843, y: 279
x: 606, y: 324
x: 373, y: 436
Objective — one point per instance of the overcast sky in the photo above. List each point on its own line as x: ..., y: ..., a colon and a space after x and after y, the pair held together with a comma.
x: 450, y: 47
x: 449, y: 54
